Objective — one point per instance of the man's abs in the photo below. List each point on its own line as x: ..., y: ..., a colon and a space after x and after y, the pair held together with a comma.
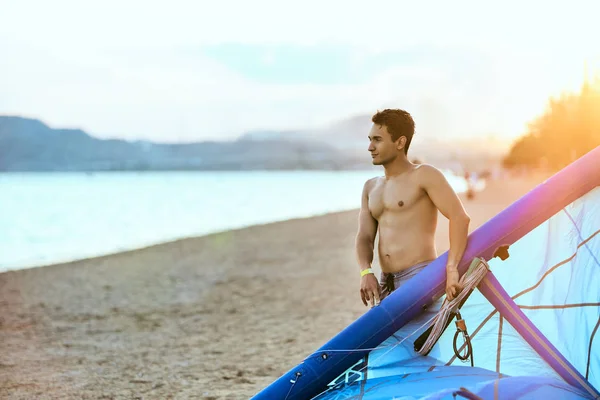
x: 406, y: 240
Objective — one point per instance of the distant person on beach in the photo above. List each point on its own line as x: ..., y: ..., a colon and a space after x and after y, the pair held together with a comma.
x: 402, y: 207
x: 470, y: 185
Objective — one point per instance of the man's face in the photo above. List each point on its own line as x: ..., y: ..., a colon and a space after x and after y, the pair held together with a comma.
x: 381, y: 147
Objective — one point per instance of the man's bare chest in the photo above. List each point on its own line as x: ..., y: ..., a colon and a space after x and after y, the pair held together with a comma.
x: 394, y: 196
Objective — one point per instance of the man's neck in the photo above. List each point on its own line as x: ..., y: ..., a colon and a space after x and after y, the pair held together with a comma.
x: 397, y: 167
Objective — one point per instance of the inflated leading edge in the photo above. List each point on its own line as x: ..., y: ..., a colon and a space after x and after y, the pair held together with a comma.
x: 312, y: 375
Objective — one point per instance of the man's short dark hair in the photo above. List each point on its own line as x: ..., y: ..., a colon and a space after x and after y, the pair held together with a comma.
x: 398, y: 123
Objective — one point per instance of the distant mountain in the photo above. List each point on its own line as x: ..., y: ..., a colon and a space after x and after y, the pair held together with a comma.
x: 350, y: 137
x: 30, y: 145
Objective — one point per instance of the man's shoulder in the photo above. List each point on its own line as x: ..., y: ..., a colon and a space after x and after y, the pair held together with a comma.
x: 370, y: 184
x: 372, y: 181
x: 427, y: 176
x: 425, y: 171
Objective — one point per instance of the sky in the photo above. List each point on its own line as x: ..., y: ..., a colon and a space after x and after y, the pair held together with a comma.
x: 182, y: 71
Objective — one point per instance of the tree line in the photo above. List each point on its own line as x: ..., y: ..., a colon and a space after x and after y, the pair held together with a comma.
x: 568, y: 129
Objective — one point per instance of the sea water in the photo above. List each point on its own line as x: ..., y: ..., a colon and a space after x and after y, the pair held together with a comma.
x: 47, y: 218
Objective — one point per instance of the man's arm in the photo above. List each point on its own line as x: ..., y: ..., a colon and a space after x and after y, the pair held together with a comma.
x: 367, y: 229
x: 449, y: 204
x: 365, y: 241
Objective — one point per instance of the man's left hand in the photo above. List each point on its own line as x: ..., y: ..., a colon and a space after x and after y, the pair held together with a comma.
x: 453, y: 287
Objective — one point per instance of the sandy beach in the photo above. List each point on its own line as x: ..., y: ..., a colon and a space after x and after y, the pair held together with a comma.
x: 214, y: 317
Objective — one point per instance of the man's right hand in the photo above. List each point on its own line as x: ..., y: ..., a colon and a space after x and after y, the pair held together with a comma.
x: 369, y: 290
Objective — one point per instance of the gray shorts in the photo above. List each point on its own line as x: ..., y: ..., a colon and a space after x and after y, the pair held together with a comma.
x: 392, y: 281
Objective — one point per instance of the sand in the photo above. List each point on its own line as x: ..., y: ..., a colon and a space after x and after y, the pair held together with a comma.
x: 214, y: 317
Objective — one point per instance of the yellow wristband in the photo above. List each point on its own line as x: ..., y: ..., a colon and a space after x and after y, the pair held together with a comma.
x: 366, y: 271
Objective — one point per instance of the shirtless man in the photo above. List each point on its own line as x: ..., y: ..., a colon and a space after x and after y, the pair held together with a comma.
x: 402, y: 207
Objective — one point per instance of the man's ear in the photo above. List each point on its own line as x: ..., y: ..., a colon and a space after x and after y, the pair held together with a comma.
x: 401, y: 142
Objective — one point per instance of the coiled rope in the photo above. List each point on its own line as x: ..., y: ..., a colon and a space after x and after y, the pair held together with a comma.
x: 477, y: 271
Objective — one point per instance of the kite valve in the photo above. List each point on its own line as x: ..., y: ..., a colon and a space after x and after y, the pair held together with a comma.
x: 298, y: 374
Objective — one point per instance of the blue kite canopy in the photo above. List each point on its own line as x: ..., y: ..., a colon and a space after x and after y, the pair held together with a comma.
x: 533, y: 322
x: 448, y: 381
